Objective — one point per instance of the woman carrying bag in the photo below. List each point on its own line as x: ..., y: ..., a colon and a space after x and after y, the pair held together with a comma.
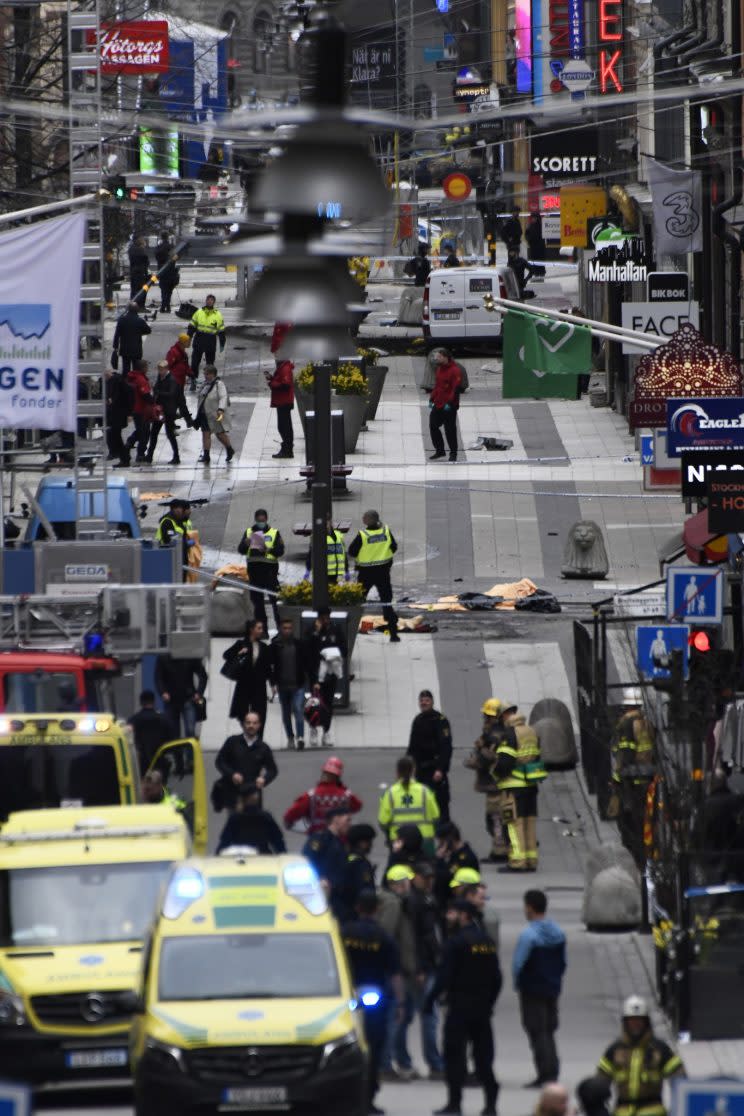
x: 212, y: 414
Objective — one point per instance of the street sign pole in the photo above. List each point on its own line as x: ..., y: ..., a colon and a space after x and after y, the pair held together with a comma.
x: 321, y: 486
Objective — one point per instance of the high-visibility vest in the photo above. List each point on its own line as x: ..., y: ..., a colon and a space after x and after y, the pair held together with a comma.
x: 376, y: 548
x: 270, y: 542
x: 516, y: 779
x: 413, y: 804
x: 638, y: 1071
x: 530, y: 758
x: 336, y: 554
x: 177, y: 527
x: 208, y: 321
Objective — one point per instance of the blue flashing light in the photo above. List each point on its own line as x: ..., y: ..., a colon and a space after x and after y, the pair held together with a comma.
x: 189, y: 887
x: 443, y: 6
x: 302, y: 883
x: 300, y: 875
x: 184, y: 889
x: 93, y: 643
x: 86, y: 724
x: 371, y: 999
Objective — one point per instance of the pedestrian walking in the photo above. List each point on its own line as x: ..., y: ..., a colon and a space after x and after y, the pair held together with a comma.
x: 408, y: 801
x: 150, y: 730
x: 326, y: 852
x: 418, y: 267
x: 533, y: 234
x: 330, y: 793
x: 170, y: 404
x: 290, y: 675
x: 119, y: 404
x: 181, y: 684
x: 470, y: 978
x: 213, y: 415
x: 638, y: 1064
x: 511, y: 230
x: 263, y: 546
x: 127, y: 343
x: 251, y: 825
x: 168, y: 272
x: 325, y: 658
x: 142, y: 410
x: 281, y: 382
x: 522, y: 270
x: 373, y: 549
x: 243, y: 758
x: 529, y: 762
x: 444, y: 403
x: 481, y: 760
x: 394, y: 915
x: 247, y: 663
x: 172, y: 532
x: 207, y: 327
x: 360, y: 871
x: 425, y: 915
x: 139, y: 267
x: 375, y: 970
x: 336, y: 559
x: 430, y: 747
x: 538, y: 966
x: 178, y: 359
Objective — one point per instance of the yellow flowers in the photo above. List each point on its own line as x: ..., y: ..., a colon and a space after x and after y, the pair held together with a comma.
x: 345, y: 593
x: 348, y: 380
x: 371, y: 356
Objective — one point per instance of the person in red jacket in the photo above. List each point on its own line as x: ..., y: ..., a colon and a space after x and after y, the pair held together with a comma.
x: 443, y: 404
x: 330, y: 794
x: 142, y: 409
x: 178, y: 359
x: 281, y: 382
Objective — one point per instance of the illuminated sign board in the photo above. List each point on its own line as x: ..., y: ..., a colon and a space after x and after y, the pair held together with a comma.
x: 523, y: 45
x: 610, y: 38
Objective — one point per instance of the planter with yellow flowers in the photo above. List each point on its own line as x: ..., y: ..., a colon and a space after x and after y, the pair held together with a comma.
x: 349, y: 394
x: 346, y: 601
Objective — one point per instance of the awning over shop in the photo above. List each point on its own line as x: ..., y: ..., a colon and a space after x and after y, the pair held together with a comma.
x: 702, y: 547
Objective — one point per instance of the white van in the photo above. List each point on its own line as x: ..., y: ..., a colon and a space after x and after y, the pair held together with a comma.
x: 454, y: 311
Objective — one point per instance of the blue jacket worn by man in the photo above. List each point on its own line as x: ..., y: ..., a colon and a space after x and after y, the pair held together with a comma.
x: 539, y: 960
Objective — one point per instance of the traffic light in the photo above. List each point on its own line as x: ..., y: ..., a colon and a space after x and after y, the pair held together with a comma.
x: 700, y: 640
x: 117, y: 187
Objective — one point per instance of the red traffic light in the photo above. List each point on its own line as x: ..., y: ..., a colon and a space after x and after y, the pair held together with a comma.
x: 700, y: 641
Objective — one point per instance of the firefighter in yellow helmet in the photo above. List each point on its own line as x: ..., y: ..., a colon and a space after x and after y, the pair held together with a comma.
x: 482, y: 761
x: 633, y: 768
x: 529, y: 768
x: 638, y: 1064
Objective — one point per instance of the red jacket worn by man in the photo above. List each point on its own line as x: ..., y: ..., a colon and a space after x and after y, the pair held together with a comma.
x: 282, y: 384
x: 446, y: 384
x: 178, y: 360
x: 330, y: 793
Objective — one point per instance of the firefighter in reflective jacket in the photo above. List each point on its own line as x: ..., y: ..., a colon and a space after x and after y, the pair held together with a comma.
x: 172, y: 531
x: 336, y: 563
x: 633, y: 768
x: 409, y: 801
x: 638, y: 1064
x: 530, y: 764
x: 373, y: 550
x: 516, y: 796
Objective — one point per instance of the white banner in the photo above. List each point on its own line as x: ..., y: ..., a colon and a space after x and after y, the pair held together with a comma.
x: 677, y: 198
x: 40, y: 270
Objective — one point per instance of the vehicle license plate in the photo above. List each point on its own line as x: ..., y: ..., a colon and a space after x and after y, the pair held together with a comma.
x: 96, y: 1059
x: 256, y: 1096
x: 446, y: 315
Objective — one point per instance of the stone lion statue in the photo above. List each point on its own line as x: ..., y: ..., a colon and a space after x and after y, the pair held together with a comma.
x: 585, y: 554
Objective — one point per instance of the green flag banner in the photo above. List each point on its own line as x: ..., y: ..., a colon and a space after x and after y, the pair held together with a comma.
x: 543, y: 357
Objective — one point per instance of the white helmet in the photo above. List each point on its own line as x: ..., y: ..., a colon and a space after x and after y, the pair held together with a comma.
x: 635, y: 1007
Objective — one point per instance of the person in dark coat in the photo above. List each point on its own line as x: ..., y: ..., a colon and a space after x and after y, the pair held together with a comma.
x: 323, y: 636
x: 243, y: 758
x: 511, y: 230
x: 360, y: 871
x: 181, y: 684
x: 130, y: 329
x: 168, y: 273
x: 167, y: 395
x: 252, y: 825
x: 288, y: 674
x: 249, y: 661
x: 523, y: 272
x: 150, y: 729
x: 430, y: 747
x: 453, y: 853
x: 418, y: 267
x: 326, y: 851
x: 118, y: 405
x: 139, y: 268
x: 533, y: 234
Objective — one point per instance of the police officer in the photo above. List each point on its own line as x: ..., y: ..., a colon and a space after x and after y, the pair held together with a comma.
x: 453, y: 853
x: 373, y: 549
x: 531, y: 766
x: 638, y: 1064
x: 470, y: 977
x: 430, y: 746
x: 336, y: 563
x: 375, y: 969
x: 326, y: 851
x: 408, y: 801
x: 262, y: 546
x: 360, y: 871
x: 206, y: 326
x: 172, y: 531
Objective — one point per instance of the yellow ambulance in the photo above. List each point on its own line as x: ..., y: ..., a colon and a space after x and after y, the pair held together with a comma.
x: 79, y: 889
x: 247, y: 1002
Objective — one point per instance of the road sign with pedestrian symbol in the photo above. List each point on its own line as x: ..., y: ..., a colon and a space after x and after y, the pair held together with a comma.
x: 695, y: 594
x: 655, y: 647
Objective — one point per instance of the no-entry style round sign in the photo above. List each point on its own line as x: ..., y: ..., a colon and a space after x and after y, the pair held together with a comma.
x: 457, y: 186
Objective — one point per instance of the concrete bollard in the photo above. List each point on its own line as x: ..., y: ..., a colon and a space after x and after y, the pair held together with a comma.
x: 612, y: 890
x: 230, y: 612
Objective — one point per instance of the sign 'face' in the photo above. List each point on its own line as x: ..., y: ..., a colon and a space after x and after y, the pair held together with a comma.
x: 658, y: 320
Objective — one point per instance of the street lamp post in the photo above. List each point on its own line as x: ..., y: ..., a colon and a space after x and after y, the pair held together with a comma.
x: 322, y: 480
